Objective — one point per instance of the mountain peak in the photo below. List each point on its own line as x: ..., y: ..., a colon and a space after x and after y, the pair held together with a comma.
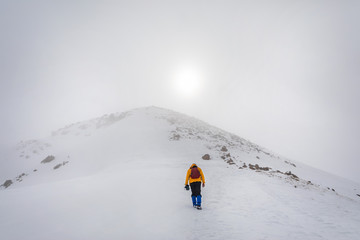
x: 128, y: 169
x: 150, y: 131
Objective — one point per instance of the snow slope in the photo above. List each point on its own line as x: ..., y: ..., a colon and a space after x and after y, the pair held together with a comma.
x: 121, y: 176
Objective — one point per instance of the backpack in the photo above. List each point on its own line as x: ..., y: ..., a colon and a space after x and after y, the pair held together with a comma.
x: 195, y: 173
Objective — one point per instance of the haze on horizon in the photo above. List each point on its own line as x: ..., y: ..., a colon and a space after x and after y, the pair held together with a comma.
x: 283, y: 74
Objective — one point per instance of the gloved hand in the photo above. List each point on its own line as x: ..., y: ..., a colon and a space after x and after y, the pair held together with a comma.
x: 187, y: 187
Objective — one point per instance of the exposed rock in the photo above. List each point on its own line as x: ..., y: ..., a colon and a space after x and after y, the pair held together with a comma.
x: 48, y: 159
x: 224, y: 149
x: 223, y: 157
x: 19, y: 178
x: 21, y: 175
x: 257, y: 157
x: 206, y: 157
x: 333, y: 190
x: 292, y: 164
x: 175, y: 137
x: 60, y: 165
x: 257, y: 167
x: 243, y: 166
x: 358, y: 195
x: 292, y: 175
x: 230, y: 162
x: 7, y: 183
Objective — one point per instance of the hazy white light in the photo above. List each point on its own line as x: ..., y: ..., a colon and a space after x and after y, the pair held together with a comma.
x: 188, y: 82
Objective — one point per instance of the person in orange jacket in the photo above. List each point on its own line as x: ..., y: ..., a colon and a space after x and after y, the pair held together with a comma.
x: 195, y: 176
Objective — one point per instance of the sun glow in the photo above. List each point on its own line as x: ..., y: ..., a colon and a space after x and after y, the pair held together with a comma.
x: 188, y: 82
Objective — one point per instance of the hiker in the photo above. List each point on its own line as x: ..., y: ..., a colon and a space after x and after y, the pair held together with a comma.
x: 195, y: 176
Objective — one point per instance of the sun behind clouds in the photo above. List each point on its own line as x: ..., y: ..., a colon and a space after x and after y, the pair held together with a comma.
x: 188, y: 82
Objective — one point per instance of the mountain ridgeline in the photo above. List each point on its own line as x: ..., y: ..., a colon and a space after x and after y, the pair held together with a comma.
x: 87, y: 147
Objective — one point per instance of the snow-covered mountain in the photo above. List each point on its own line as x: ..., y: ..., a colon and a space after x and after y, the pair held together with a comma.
x: 121, y: 176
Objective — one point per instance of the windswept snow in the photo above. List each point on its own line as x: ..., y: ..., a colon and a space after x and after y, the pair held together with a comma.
x: 122, y: 176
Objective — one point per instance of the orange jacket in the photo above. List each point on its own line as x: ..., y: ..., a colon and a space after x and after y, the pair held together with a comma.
x: 191, y: 180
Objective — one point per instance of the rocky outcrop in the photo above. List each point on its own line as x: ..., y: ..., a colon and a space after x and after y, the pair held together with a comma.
x: 48, y: 159
x: 20, y: 177
x: 206, y: 157
x: 7, y: 184
x: 292, y: 175
x: 60, y: 165
x: 224, y: 149
x: 257, y: 167
x: 230, y: 162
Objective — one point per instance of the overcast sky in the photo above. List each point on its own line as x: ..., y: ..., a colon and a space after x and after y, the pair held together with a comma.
x: 283, y: 74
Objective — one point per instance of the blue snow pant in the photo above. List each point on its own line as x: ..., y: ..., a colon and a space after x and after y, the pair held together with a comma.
x: 196, y: 200
x: 196, y: 193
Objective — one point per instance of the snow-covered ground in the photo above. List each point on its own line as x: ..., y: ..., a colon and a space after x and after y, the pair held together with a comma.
x: 122, y: 176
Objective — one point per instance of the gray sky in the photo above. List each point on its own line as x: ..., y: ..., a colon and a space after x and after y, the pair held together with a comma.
x: 283, y: 74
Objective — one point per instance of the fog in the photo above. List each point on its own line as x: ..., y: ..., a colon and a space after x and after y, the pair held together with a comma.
x: 283, y: 74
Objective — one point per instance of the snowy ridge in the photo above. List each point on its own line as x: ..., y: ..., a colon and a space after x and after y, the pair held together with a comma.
x: 232, y: 149
x: 87, y: 127
x: 242, y: 153
x: 191, y: 128
x: 81, y: 181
